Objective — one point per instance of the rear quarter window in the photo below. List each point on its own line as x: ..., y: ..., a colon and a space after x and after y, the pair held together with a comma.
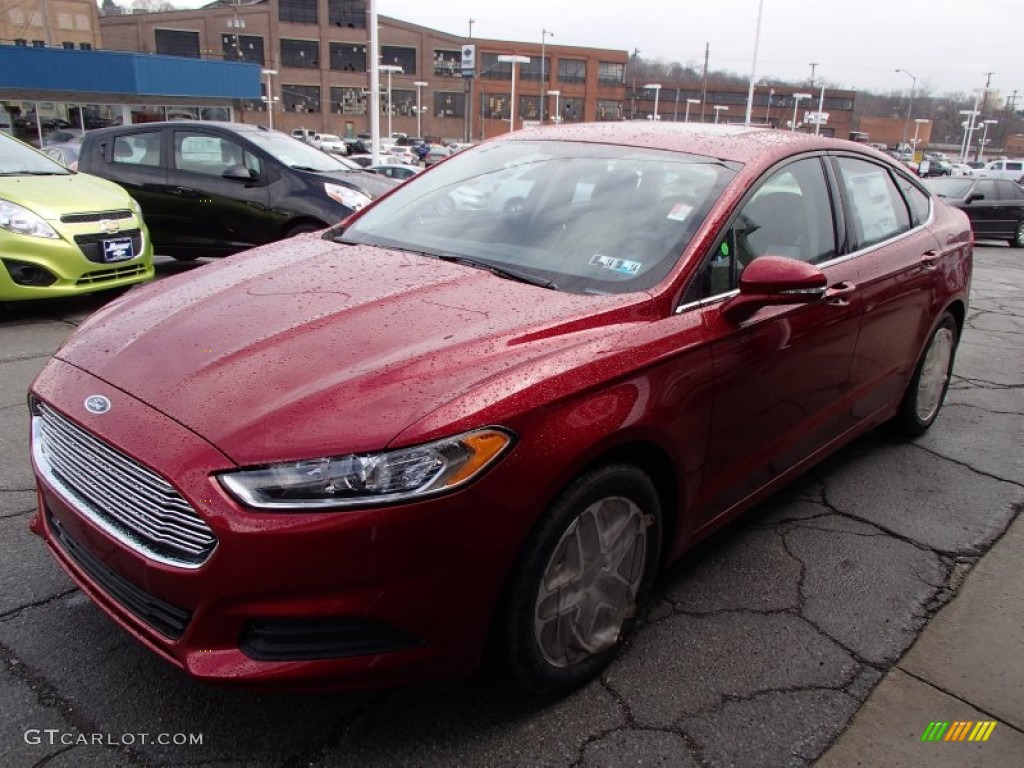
x: 137, y: 149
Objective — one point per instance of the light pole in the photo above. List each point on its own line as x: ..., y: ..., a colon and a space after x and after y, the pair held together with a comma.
x: 910, y: 105
x: 797, y: 98
x: 390, y: 69
x: 965, y: 145
x: 557, y: 117
x: 918, y: 121
x: 984, y: 138
x: 544, y: 35
x: 719, y: 109
x: 656, y: 87
x: 753, y: 67
x: 686, y: 117
x: 513, y: 60
x: 270, y: 95
x: 419, y: 108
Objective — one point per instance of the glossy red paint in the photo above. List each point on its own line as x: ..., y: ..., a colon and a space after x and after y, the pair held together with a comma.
x: 319, y: 349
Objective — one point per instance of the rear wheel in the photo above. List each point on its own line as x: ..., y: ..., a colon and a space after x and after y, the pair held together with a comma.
x: 927, y: 389
x: 1017, y: 241
x: 573, y: 596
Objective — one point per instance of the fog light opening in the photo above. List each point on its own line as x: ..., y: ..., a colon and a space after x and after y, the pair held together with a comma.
x: 27, y: 274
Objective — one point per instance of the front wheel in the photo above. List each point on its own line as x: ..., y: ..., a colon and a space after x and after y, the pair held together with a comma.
x: 1017, y: 241
x: 927, y: 389
x: 573, y: 595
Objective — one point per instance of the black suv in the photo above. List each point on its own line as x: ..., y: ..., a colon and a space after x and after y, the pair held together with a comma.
x: 211, y: 189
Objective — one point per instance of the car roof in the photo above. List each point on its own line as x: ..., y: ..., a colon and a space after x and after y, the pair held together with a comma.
x: 727, y: 142
x: 221, y: 124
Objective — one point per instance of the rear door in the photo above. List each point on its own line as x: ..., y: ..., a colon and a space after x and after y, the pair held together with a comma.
x: 135, y: 160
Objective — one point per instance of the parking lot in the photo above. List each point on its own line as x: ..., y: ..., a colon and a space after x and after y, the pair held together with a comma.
x: 758, y: 649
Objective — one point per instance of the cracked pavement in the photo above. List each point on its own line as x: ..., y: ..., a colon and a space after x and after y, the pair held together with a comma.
x: 758, y: 649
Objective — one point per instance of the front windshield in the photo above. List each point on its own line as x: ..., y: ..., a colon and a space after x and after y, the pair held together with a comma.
x: 949, y: 187
x: 16, y: 159
x: 330, y: 137
x: 587, y: 218
x: 295, y: 153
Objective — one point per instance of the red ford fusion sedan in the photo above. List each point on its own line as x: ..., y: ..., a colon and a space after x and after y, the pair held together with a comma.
x: 448, y: 426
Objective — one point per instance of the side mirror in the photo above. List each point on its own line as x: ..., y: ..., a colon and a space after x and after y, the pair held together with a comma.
x: 974, y: 196
x: 774, y: 280
x: 238, y: 173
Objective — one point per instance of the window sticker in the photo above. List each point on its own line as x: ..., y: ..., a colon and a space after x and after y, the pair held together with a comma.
x: 616, y: 265
x: 680, y: 212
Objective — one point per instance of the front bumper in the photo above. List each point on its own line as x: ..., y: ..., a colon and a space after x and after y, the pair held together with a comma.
x: 339, y: 600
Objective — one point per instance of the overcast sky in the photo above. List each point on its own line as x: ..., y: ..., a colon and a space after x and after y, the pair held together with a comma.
x: 948, y: 45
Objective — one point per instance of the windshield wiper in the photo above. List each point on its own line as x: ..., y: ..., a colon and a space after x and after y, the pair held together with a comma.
x: 494, y: 269
x: 35, y: 173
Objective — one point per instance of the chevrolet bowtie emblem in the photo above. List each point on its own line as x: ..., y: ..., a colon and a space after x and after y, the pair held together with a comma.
x: 109, y: 226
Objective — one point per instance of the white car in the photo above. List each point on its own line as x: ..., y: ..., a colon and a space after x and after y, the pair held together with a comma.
x: 329, y: 142
x: 960, y: 169
x: 1002, y: 169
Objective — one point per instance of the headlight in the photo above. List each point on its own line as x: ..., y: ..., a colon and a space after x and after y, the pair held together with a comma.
x: 347, y: 196
x: 357, y: 480
x: 21, y: 221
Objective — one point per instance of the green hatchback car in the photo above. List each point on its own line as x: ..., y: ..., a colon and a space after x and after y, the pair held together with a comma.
x: 64, y: 233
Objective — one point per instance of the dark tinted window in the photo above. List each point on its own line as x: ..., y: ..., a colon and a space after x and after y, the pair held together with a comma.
x: 176, y: 42
x: 989, y: 188
x: 1011, y: 191
x: 572, y: 70
x: 210, y: 155
x: 300, y: 53
x: 242, y: 48
x: 448, y: 104
x: 138, y: 149
x: 398, y: 56
x: 347, y: 13
x: 297, y: 11
x: 348, y: 57
x: 877, y: 210
x: 301, y: 98
x: 917, y: 200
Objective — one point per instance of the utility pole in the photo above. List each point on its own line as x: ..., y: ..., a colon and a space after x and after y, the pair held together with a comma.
x: 704, y: 87
x: 814, y: 66
x: 467, y: 99
x: 632, y: 108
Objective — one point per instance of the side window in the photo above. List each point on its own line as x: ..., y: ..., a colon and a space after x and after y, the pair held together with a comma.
x: 138, y: 149
x: 1014, y: 166
x: 989, y: 189
x: 1012, y: 191
x: 877, y: 210
x: 210, y: 155
x: 917, y: 200
x: 789, y: 214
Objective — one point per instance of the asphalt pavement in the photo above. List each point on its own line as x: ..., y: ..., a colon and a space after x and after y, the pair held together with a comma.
x: 836, y: 621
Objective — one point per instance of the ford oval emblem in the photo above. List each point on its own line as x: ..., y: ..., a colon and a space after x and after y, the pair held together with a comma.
x: 97, y: 404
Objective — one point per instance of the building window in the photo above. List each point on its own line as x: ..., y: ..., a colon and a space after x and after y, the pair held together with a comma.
x: 449, y: 104
x: 297, y: 11
x: 492, y: 69
x: 347, y: 13
x: 531, y: 69
x: 609, y: 110
x: 64, y: 21
x: 176, y: 42
x: 404, y: 101
x: 304, y: 54
x: 528, y: 108
x: 448, y: 63
x: 572, y: 71
x: 85, y: 46
x: 82, y: 22
x: 348, y: 57
x: 68, y: 46
x: 571, y: 110
x: 301, y: 98
x: 402, y: 57
x: 496, y: 106
x: 242, y: 48
x: 611, y: 73
x: 20, y: 41
x: 348, y: 101
x: 38, y: 43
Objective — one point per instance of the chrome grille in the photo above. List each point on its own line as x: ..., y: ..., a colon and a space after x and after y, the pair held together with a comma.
x: 130, y: 502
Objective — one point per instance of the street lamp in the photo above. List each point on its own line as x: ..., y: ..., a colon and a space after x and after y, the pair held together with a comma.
x: 419, y: 108
x: 910, y: 105
x: 797, y: 98
x: 686, y: 117
x: 918, y: 122
x: 969, y: 126
x: 270, y: 95
x: 656, y: 87
x: 390, y: 69
x: 513, y: 60
x: 544, y: 35
x: 557, y: 117
x: 984, y: 138
x: 719, y: 109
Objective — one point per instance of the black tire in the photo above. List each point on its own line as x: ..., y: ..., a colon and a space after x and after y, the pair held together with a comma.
x: 304, y: 227
x: 525, y: 638
x: 185, y: 257
x: 1017, y: 241
x: 927, y: 388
